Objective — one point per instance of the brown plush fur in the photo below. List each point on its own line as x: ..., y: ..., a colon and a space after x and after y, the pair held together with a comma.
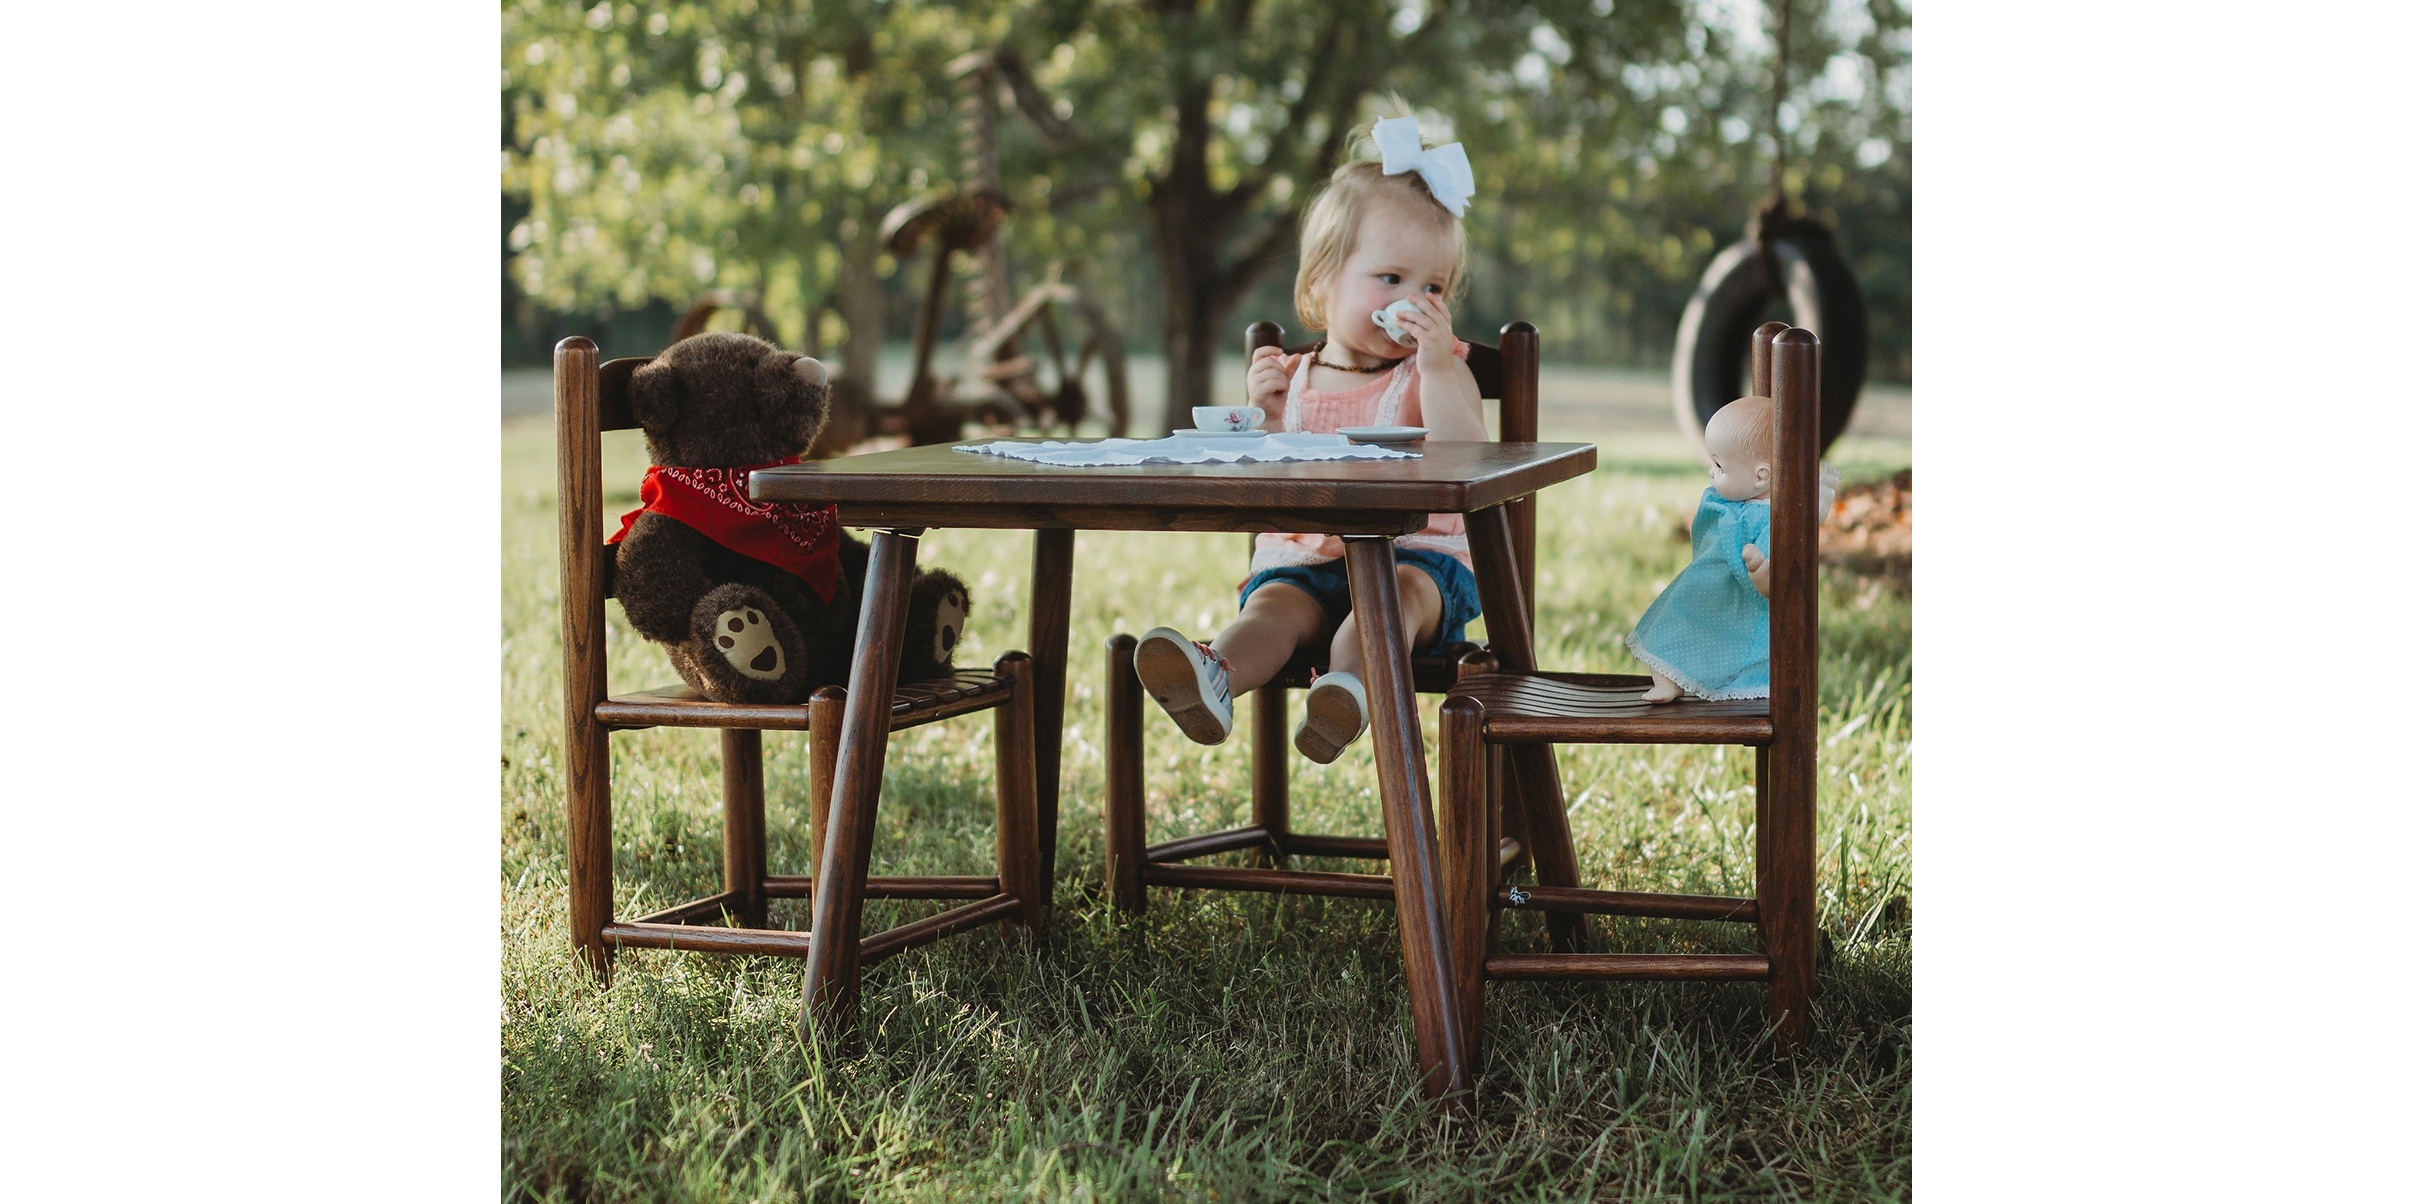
x: 721, y: 400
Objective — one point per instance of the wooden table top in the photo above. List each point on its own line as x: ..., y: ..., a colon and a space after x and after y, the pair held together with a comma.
x: 938, y: 486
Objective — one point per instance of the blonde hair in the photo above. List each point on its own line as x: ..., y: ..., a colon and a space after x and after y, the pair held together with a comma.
x: 1753, y: 421
x: 1328, y: 236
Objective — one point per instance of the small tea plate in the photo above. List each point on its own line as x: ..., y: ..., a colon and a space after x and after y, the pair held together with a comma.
x: 1382, y: 434
x: 1191, y: 432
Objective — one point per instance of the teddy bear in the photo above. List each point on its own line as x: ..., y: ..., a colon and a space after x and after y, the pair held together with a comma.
x: 754, y: 602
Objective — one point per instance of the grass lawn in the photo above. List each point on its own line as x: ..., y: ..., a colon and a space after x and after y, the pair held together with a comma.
x: 1220, y: 1047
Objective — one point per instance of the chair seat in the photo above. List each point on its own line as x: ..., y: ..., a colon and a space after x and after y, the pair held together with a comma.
x: 1433, y: 670
x: 917, y: 703
x: 1605, y: 708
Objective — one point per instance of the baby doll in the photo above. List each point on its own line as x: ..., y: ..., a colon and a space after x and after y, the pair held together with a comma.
x: 1381, y: 233
x: 1707, y: 633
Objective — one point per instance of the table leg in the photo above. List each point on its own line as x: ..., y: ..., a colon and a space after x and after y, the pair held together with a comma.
x: 1533, y: 767
x: 1051, y: 628
x: 1407, y: 815
x: 833, y: 965
x: 1126, y: 806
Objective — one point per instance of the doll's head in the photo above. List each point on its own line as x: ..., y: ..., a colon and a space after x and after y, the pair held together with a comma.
x: 1371, y: 239
x: 1741, y: 438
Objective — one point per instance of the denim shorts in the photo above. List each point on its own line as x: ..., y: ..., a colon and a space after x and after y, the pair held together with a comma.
x: 1328, y: 584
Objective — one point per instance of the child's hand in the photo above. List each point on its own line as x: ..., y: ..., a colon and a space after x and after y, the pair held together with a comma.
x: 1268, y: 385
x: 1435, y: 344
x: 1757, y: 566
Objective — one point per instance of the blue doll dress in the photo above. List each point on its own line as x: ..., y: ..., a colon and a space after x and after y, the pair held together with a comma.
x: 1708, y: 630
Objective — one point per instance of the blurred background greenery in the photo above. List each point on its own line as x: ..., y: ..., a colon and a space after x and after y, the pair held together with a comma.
x: 1163, y: 151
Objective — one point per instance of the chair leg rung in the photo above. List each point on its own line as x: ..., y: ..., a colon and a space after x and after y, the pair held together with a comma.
x: 1627, y: 903
x: 880, y: 886
x: 1209, y: 843
x: 1681, y: 966
x: 705, y: 909
x: 653, y: 933
x: 1372, y: 848
x: 946, y: 923
x: 773, y: 941
x: 1302, y: 882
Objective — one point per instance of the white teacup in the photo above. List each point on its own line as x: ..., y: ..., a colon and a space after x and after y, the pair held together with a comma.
x: 1388, y: 319
x: 1226, y: 418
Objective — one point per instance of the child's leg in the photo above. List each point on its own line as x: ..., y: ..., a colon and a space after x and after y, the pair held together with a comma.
x: 1278, y: 619
x: 1196, y: 687
x: 1336, y: 707
x: 1419, y: 613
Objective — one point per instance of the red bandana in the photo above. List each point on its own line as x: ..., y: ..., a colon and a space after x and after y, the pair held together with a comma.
x: 793, y: 536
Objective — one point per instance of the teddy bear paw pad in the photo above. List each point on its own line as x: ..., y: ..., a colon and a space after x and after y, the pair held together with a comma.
x: 746, y: 640
x: 951, y: 612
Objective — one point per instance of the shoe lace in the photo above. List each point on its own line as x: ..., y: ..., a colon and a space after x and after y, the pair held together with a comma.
x: 1223, y: 679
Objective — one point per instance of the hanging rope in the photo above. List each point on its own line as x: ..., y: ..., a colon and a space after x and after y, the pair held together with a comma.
x: 1787, y: 261
x: 1773, y: 214
x: 1776, y: 101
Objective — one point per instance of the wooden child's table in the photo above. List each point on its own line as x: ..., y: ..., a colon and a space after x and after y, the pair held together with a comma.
x: 1367, y: 502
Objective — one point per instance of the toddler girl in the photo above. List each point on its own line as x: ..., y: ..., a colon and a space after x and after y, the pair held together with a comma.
x: 1380, y: 233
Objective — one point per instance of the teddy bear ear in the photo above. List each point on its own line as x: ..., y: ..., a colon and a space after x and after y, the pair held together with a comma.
x: 655, y: 396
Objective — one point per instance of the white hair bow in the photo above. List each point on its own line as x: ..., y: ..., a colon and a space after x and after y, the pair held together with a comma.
x: 1444, y: 168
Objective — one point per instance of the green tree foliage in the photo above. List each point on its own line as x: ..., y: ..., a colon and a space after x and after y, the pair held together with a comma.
x: 1619, y: 148
x: 665, y: 148
x: 668, y: 149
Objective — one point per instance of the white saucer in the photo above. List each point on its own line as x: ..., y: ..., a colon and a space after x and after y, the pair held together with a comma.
x: 1381, y: 434
x: 1191, y: 432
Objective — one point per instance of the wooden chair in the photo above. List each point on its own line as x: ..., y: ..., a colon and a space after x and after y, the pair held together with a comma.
x: 1510, y: 373
x: 588, y: 399
x: 1490, y: 713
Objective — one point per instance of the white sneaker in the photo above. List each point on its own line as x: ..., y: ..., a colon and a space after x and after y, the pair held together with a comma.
x: 1190, y: 680
x: 1336, y: 717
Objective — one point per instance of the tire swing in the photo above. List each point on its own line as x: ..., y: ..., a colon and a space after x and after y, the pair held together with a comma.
x: 1785, y: 261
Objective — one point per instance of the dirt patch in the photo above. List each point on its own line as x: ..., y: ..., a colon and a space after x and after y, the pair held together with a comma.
x: 1867, y: 533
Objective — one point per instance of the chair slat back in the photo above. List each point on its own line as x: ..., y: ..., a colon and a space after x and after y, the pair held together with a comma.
x: 1785, y: 361
x: 578, y: 411
x: 1506, y: 373
x: 589, y: 398
x: 614, y: 374
x: 1509, y: 373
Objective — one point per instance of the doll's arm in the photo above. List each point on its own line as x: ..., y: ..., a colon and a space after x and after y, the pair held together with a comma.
x: 1756, y: 566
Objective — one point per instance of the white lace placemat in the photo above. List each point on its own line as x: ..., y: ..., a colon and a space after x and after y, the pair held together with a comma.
x: 1279, y: 446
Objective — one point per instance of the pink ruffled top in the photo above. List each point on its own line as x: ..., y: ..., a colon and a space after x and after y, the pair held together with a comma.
x: 1393, y: 398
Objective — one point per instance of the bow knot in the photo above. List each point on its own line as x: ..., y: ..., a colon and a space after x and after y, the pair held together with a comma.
x: 1444, y: 168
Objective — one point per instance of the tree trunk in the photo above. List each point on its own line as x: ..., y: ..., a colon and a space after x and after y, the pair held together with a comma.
x: 1193, y: 221
x: 1194, y: 324
x: 1190, y: 232
x: 862, y: 303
